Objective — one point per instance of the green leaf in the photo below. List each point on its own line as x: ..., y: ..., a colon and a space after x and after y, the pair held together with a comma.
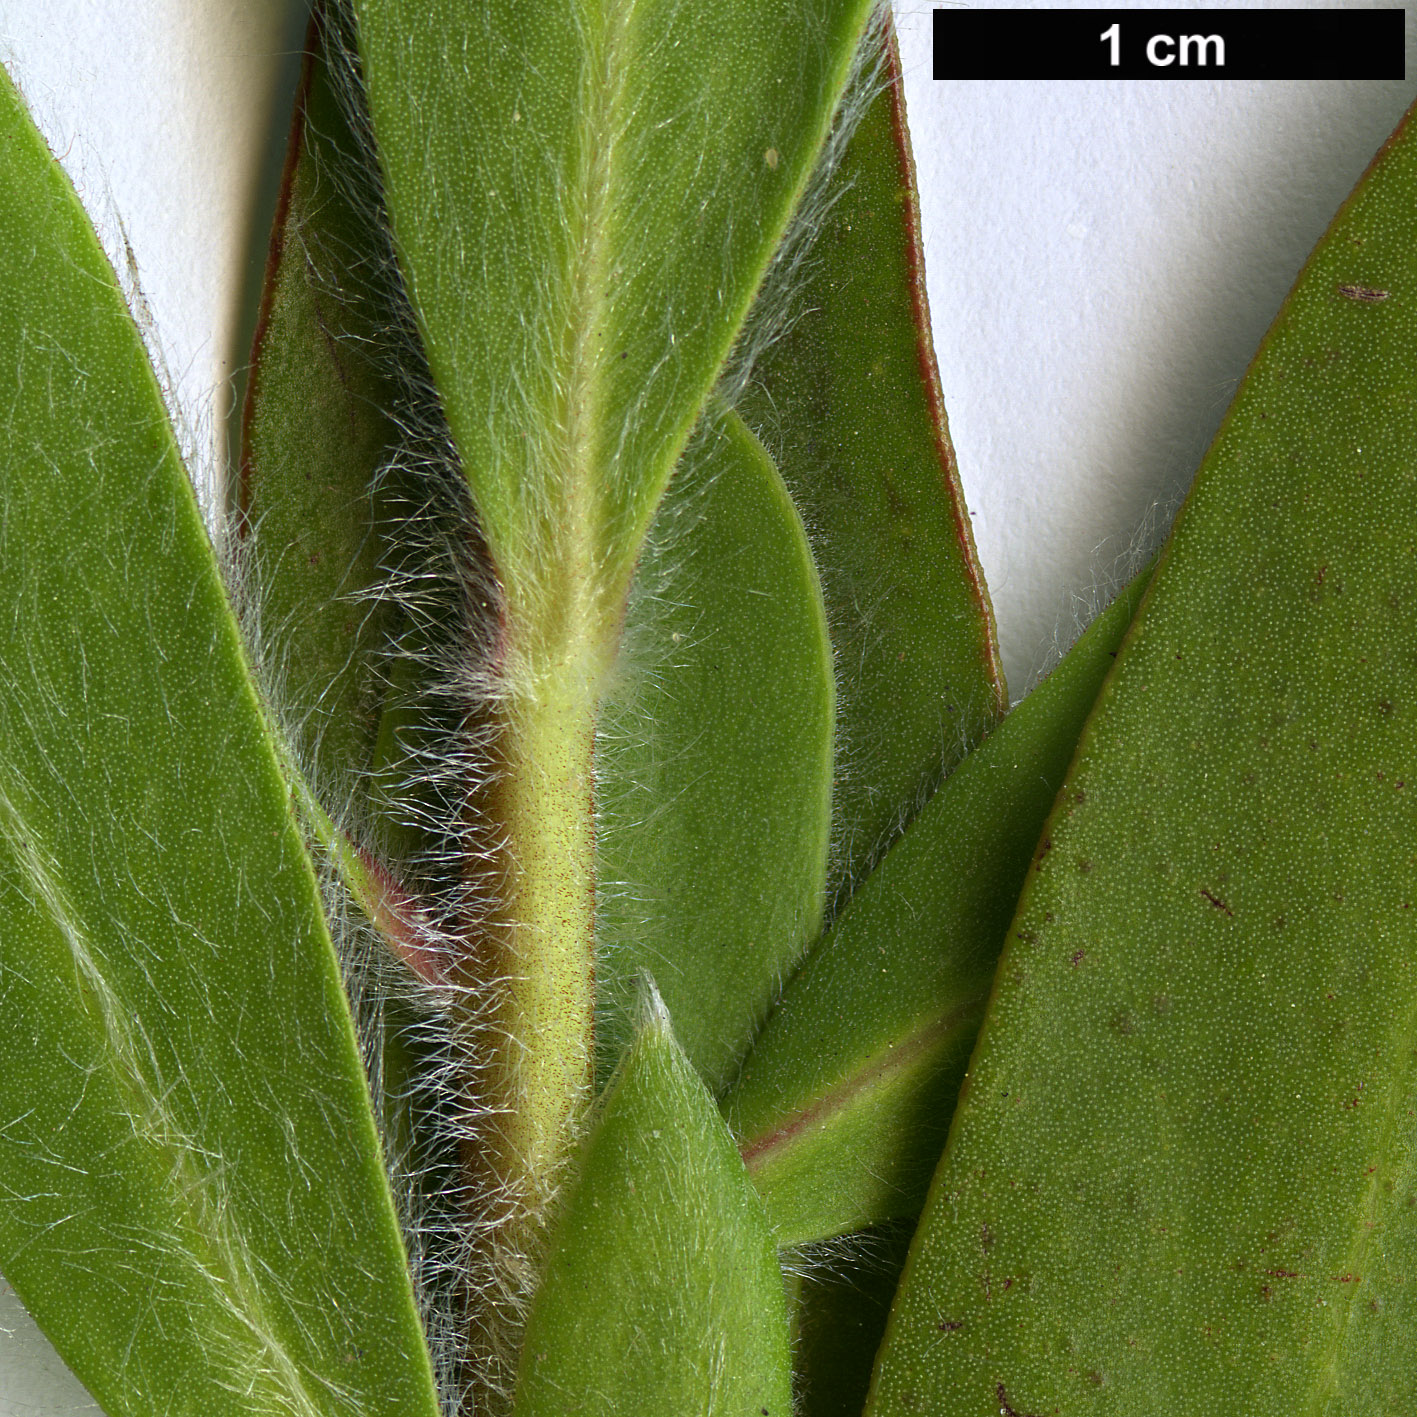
x: 585, y: 199
x: 845, y: 1099
x: 192, y: 1200
x: 1181, y: 1174
x: 849, y: 403
x: 319, y: 506
x: 317, y: 427
x: 662, y: 1294
x: 714, y: 774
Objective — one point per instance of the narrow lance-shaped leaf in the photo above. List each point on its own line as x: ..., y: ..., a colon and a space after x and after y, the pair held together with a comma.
x: 845, y: 1099
x: 662, y: 1294
x: 313, y: 512
x: 329, y: 515
x: 317, y: 426
x: 1181, y: 1173
x: 192, y: 1201
x: 848, y: 402
x: 715, y: 755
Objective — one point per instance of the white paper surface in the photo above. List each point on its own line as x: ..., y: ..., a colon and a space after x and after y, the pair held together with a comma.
x: 1102, y: 260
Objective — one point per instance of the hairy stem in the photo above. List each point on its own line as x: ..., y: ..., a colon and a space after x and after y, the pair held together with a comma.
x: 533, y: 1036
x: 543, y: 949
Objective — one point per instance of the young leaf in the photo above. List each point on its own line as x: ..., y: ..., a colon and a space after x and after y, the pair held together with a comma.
x: 845, y: 1099
x: 192, y: 1200
x: 584, y: 202
x: 316, y: 428
x: 662, y: 1294
x: 715, y: 754
x: 848, y: 401
x: 1181, y: 1174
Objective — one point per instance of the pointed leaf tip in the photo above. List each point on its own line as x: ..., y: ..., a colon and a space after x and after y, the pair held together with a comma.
x: 662, y: 1294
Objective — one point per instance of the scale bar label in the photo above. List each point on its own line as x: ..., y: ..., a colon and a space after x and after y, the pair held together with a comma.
x: 1169, y: 44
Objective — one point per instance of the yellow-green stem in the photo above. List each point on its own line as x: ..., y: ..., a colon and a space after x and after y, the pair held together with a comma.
x: 532, y: 971
x: 535, y: 1027
x: 540, y: 1036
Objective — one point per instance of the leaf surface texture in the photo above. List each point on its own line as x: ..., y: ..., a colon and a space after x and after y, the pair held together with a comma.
x: 845, y: 1100
x: 192, y: 1200
x: 1181, y: 1173
x: 848, y: 402
x: 662, y: 1294
x: 715, y: 755
x: 585, y: 198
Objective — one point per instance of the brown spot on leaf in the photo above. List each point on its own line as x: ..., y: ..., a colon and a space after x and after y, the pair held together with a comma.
x: 1219, y: 904
x: 1365, y: 294
x: 1006, y: 1409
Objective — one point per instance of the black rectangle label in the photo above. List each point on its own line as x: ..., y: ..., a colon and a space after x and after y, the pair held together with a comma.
x: 1169, y: 44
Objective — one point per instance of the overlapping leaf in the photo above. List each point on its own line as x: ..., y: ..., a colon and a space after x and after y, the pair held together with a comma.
x: 662, y: 1294
x: 848, y: 401
x: 1181, y: 1173
x: 846, y: 1098
x: 192, y: 1200
x: 585, y: 198
x: 318, y: 425
x: 715, y: 748
x: 715, y: 755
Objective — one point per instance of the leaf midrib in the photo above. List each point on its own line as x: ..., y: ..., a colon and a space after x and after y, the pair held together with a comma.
x: 186, y: 1184
x: 582, y: 411
x: 834, y: 1101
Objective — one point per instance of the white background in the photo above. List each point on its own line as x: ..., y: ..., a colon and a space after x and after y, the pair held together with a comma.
x: 1102, y: 260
